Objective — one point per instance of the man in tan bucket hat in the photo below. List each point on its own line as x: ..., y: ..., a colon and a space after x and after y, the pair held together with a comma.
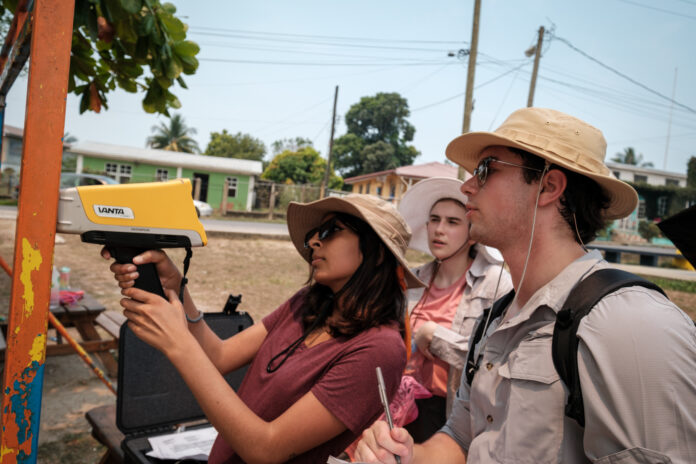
x: 540, y: 190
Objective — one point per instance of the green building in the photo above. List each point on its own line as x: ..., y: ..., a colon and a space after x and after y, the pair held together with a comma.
x: 131, y: 164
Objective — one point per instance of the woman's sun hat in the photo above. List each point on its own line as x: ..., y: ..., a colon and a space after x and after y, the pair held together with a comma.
x: 418, y: 201
x: 380, y: 215
x: 558, y: 138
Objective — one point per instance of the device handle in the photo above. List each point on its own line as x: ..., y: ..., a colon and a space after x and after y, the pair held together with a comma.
x: 148, y: 279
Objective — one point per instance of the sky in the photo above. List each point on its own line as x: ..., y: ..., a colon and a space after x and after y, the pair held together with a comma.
x: 269, y: 69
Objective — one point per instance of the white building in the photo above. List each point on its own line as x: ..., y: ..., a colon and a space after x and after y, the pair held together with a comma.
x: 650, y: 176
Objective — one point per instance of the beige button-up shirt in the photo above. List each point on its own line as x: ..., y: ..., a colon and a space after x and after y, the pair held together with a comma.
x: 484, y: 282
x: 637, y: 364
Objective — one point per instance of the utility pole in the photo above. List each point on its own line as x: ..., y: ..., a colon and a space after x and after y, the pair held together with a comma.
x: 471, y: 70
x: 325, y: 182
x: 669, y: 124
x: 537, y: 57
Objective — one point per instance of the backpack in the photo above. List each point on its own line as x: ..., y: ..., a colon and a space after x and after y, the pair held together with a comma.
x: 579, y: 303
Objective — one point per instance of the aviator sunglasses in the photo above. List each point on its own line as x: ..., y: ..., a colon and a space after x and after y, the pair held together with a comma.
x: 481, y: 171
x: 327, y: 229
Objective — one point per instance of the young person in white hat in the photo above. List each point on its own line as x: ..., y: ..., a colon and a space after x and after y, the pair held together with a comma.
x: 311, y: 386
x: 540, y: 191
x: 463, y: 279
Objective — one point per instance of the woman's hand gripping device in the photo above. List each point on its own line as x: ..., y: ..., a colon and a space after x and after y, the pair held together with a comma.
x: 131, y: 218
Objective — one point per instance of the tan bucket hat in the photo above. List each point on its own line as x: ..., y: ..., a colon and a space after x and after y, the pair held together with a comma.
x: 558, y: 138
x: 380, y: 215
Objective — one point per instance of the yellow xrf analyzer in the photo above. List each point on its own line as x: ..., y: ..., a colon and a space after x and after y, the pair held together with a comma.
x: 131, y: 218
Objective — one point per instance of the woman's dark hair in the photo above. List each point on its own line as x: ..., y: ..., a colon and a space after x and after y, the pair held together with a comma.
x: 372, y: 297
x: 582, y: 197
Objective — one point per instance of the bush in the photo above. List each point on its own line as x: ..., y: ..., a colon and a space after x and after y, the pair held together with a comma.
x: 648, y: 230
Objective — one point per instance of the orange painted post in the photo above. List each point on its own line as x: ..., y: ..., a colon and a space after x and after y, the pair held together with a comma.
x: 36, y: 228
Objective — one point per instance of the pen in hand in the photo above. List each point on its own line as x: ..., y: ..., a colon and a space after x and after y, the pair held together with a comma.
x: 385, y: 404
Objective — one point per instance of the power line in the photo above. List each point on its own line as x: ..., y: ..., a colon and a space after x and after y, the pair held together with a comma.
x: 309, y: 42
x: 659, y: 9
x: 299, y: 63
x: 299, y: 51
x: 619, y: 73
x: 439, y: 102
x: 328, y: 37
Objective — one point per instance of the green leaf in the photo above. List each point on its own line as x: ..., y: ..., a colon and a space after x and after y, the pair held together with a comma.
x: 113, y: 10
x: 174, y: 68
x: 189, y: 63
x: 146, y: 25
x: 164, y: 82
x: 84, y: 101
x: 174, y: 27
x: 141, y: 49
x: 81, y: 16
x: 125, y: 30
x: 131, y: 6
x: 130, y: 69
x: 169, y: 8
x: 128, y: 85
x: 181, y: 82
x: 186, y: 48
x: 92, y: 27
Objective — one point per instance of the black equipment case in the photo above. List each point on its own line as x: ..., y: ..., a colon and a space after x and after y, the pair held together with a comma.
x: 152, y: 397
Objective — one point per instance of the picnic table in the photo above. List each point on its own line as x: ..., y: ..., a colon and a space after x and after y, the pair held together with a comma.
x: 85, y: 315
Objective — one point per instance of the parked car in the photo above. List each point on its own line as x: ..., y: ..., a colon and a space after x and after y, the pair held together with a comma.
x: 73, y: 179
x: 202, y: 208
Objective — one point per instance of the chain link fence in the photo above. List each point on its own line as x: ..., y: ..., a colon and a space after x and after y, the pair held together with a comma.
x: 273, y: 199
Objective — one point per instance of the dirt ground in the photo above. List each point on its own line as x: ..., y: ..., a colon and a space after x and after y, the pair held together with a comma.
x: 266, y: 272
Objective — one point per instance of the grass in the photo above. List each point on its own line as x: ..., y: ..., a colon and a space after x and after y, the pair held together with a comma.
x: 687, y: 286
x: 8, y: 202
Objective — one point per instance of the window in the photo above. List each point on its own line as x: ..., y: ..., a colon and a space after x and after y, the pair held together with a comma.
x: 231, y: 187
x: 640, y: 178
x: 662, y: 206
x: 367, y: 188
x: 674, y: 182
x: 641, y: 209
x: 360, y: 188
x: 162, y: 175
x: 392, y: 191
x: 379, y: 191
x: 121, y: 172
x: 617, y: 174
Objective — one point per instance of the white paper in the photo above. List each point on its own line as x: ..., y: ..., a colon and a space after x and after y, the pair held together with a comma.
x: 191, y: 444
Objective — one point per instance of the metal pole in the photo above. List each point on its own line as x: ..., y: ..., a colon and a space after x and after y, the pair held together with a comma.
x: 669, y: 124
x: 51, y: 39
x: 325, y: 183
x: 470, y: 72
x: 537, y: 57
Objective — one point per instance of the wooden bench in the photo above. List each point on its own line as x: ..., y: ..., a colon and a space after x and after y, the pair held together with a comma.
x: 104, y: 430
x: 84, y: 315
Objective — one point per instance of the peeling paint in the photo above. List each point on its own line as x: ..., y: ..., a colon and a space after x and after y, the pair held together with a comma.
x: 31, y: 261
x: 25, y: 405
x: 38, y: 349
x: 5, y: 451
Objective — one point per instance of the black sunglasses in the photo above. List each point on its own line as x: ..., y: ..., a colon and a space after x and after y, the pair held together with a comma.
x: 481, y: 171
x: 327, y: 229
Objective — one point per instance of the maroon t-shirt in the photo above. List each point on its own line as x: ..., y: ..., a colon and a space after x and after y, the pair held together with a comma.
x: 339, y: 372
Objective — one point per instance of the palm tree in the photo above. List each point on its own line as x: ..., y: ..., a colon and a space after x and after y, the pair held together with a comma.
x: 174, y: 137
x: 68, y: 139
x: 629, y: 157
